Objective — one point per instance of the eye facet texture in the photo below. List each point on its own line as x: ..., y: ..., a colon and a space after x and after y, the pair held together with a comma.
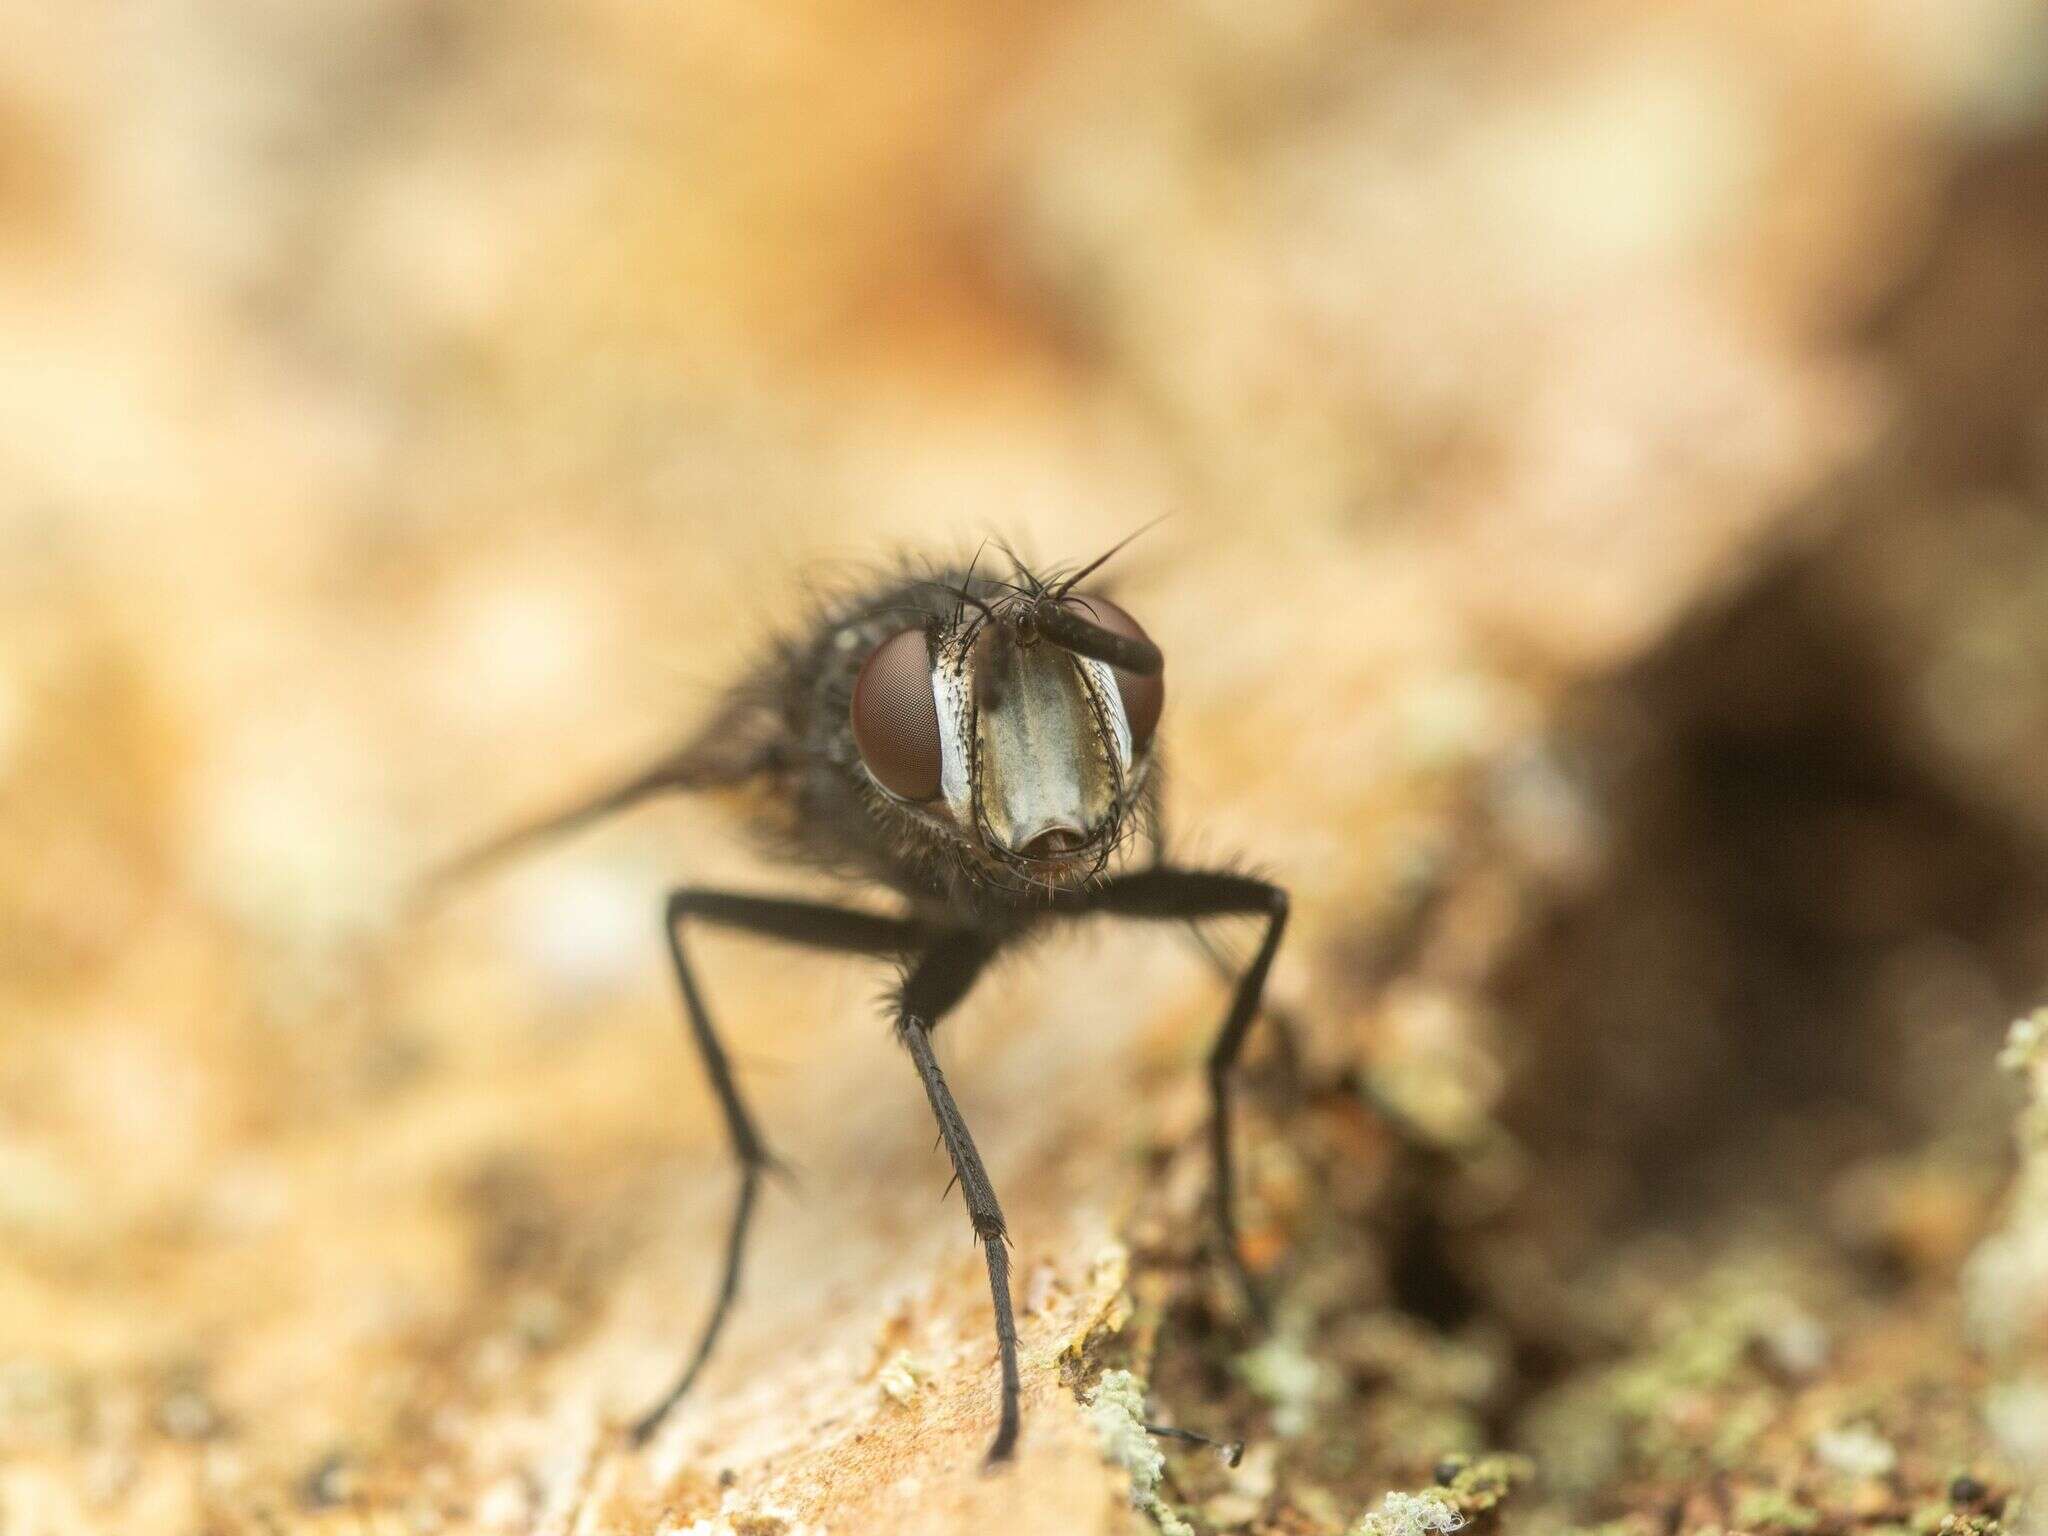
x: 895, y: 720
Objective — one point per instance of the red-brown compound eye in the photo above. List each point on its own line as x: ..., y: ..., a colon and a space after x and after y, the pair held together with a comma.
x: 895, y: 721
x: 1143, y: 697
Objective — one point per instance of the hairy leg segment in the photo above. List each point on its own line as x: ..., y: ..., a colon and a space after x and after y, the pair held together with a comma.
x: 812, y: 925
x: 933, y: 986
x: 1190, y: 895
x: 941, y: 968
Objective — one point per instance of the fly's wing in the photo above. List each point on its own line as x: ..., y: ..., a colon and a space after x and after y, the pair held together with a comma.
x: 740, y: 741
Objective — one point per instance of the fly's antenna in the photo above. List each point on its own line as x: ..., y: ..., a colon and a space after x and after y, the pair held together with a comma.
x: 1044, y: 612
x: 1070, y: 632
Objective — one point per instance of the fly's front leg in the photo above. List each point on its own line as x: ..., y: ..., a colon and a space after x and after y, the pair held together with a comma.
x: 935, y: 983
x: 1192, y: 894
x: 814, y: 926
x: 1285, y: 1026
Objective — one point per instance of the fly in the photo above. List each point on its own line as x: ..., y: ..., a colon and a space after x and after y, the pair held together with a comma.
x: 983, y: 750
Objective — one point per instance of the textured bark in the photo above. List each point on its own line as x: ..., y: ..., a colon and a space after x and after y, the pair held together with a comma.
x: 417, y: 411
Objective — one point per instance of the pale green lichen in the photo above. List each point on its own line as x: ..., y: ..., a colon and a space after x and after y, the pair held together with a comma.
x: 1768, y: 1509
x: 1116, y: 1409
x: 2026, y: 1045
x: 1409, y: 1514
x: 1711, y: 1343
x: 1941, y: 1521
x: 1471, y: 1487
x: 2016, y: 1412
x: 1416, y: 1431
x: 1477, y: 1484
x: 1855, y: 1450
x: 2007, y: 1279
x: 1709, y: 1351
x: 1287, y: 1376
x: 2005, y: 1287
x: 1741, y: 1423
x: 900, y: 1378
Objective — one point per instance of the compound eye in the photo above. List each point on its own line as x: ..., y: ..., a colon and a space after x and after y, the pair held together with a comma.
x: 1143, y: 697
x: 895, y: 720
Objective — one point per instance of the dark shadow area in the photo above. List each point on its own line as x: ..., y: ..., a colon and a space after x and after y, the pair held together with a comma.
x: 1803, y: 955
x: 1815, y: 925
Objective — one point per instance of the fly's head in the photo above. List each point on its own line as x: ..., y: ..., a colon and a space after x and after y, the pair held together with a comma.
x: 1018, y: 729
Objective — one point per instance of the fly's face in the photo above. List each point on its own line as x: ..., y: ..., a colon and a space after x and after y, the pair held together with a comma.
x: 1023, y: 731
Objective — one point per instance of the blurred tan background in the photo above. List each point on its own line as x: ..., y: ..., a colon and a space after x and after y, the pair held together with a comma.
x: 1606, y: 579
